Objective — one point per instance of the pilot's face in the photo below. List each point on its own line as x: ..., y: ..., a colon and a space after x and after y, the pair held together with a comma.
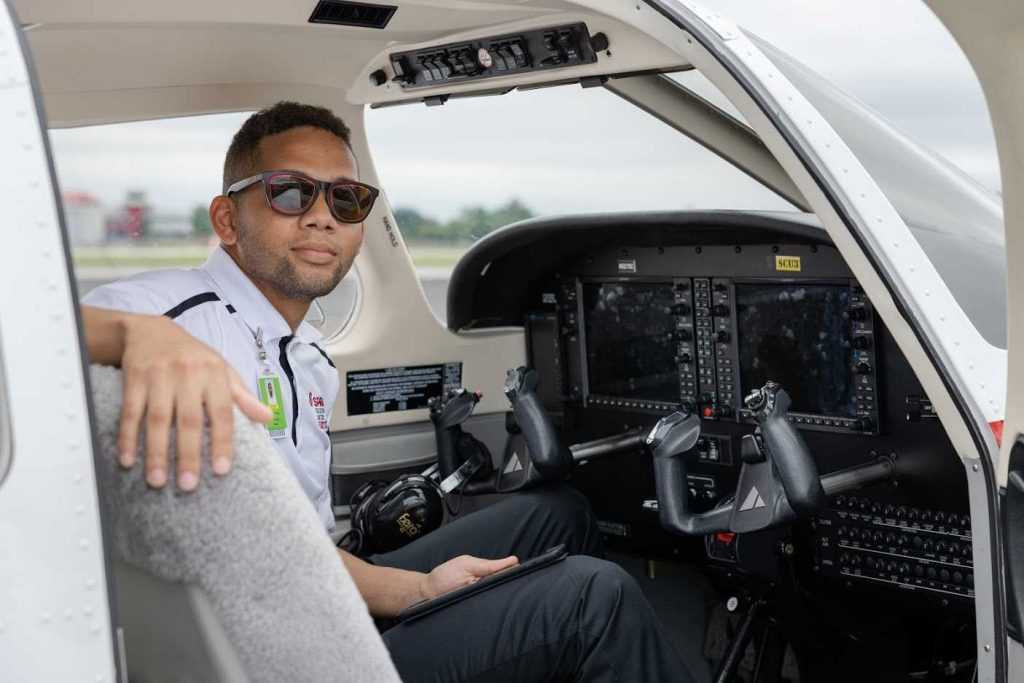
x: 301, y: 257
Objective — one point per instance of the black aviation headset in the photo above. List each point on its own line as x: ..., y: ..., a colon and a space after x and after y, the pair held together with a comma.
x: 388, y: 515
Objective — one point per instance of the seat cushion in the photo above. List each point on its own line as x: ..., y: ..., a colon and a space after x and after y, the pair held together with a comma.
x: 253, y: 543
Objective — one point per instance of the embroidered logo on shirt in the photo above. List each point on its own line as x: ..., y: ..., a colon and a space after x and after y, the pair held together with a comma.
x: 317, y: 404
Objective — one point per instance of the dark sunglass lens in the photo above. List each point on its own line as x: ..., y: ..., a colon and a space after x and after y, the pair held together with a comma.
x: 351, y: 203
x: 290, y: 194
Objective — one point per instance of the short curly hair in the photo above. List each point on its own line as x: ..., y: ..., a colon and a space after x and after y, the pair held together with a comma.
x: 243, y: 154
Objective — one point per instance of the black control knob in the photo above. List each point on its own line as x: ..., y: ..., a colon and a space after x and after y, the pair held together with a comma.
x: 918, y: 570
x: 942, y: 548
x: 863, y: 368
x: 904, y: 569
x: 926, y: 516
x: 870, y: 563
x: 681, y: 309
x: 858, y: 313
x: 861, y: 343
x: 940, y: 517
x: 932, y: 573
x: 901, y: 512
x: 720, y: 287
x: 912, y: 515
x: 958, y: 578
x: 928, y: 547
x: 722, y: 337
x: 685, y: 358
x: 683, y: 335
x: 944, y: 575
x: 864, y: 424
x: 720, y: 310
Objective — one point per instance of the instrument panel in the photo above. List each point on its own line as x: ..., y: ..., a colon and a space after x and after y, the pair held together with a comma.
x: 625, y: 334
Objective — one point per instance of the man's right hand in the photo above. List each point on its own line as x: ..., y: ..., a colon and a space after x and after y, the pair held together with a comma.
x: 169, y: 375
x: 461, y: 571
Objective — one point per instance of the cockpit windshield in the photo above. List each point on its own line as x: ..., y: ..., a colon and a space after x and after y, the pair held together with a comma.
x: 957, y: 221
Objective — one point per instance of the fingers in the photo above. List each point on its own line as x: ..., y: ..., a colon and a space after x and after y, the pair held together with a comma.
x: 159, y: 408
x: 480, y: 567
x: 246, y: 401
x: 188, y: 410
x: 219, y: 408
x: 132, y: 410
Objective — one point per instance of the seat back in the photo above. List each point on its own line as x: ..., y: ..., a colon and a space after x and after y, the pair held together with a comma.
x: 243, y: 560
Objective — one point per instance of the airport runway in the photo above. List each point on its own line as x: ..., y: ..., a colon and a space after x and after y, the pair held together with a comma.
x: 435, y: 285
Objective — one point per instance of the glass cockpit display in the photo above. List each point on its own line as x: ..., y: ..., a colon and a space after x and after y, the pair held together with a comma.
x: 799, y: 336
x: 629, y: 340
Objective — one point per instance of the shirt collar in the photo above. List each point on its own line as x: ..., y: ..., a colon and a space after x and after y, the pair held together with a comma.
x: 249, y: 302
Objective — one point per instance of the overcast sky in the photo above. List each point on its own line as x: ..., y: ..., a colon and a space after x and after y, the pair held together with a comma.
x: 571, y: 150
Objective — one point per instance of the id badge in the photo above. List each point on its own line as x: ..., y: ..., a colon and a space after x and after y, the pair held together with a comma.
x: 269, y: 392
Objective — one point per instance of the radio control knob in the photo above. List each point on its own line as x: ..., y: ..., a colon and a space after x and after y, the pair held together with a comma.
x: 685, y: 358
x: 681, y: 309
x: 858, y: 313
x: 720, y: 287
x: 683, y: 335
x: 861, y: 343
x: 722, y: 337
x: 720, y: 310
x: 863, y: 368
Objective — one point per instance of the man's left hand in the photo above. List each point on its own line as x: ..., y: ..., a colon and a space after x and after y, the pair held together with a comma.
x: 461, y: 571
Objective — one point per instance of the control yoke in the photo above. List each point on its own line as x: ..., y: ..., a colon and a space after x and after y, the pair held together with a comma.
x: 546, y: 459
x: 463, y: 460
x: 779, y: 480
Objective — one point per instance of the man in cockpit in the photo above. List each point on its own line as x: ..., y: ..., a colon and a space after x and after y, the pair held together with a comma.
x: 290, y: 221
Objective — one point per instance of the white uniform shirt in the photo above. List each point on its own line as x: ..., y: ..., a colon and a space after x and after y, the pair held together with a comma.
x: 221, y: 306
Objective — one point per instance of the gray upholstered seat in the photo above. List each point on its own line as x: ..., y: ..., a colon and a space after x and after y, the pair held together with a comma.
x: 237, y: 581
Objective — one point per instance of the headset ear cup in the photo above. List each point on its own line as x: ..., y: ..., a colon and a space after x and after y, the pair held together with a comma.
x: 360, y: 505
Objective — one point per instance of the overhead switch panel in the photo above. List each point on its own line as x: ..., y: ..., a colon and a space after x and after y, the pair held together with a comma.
x: 551, y: 48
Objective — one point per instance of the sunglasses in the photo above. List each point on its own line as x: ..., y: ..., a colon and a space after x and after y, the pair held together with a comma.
x: 292, y: 193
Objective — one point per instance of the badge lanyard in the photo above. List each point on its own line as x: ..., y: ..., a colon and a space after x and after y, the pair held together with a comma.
x: 268, y: 386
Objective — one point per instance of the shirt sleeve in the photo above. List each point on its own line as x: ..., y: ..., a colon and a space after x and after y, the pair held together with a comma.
x: 125, y: 295
x: 143, y: 297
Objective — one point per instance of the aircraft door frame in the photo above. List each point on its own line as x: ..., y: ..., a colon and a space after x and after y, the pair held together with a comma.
x: 989, y: 34
x: 56, y: 613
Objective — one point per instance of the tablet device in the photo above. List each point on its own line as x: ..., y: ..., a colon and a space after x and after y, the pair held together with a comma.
x: 425, y: 607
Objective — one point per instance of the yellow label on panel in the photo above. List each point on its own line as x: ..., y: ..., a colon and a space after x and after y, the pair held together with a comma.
x: 789, y: 264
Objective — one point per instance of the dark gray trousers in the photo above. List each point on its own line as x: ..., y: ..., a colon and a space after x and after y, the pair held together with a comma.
x: 582, y: 619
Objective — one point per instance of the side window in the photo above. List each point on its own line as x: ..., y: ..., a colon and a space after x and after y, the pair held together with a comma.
x: 136, y: 197
x: 456, y: 172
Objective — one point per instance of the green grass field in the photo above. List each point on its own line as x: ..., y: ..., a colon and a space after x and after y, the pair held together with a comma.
x: 186, y: 255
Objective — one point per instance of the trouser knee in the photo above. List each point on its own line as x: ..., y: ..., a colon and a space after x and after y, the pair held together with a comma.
x: 567, y: 508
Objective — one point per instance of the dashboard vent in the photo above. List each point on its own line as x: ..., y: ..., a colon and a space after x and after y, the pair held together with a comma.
x: 352, y: 14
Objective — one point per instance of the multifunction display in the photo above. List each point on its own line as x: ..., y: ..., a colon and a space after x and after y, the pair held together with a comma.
x: 630, y: 343
x: 703, y: 343
x: 799, y: 336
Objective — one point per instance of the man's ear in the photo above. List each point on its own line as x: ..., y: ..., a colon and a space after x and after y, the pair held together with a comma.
x: 223, y: 219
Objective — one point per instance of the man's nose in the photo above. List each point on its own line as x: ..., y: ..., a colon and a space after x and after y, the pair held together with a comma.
x: 318, y: 215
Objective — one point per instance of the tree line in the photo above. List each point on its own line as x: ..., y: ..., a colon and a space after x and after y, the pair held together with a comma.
x: 468, y: 225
